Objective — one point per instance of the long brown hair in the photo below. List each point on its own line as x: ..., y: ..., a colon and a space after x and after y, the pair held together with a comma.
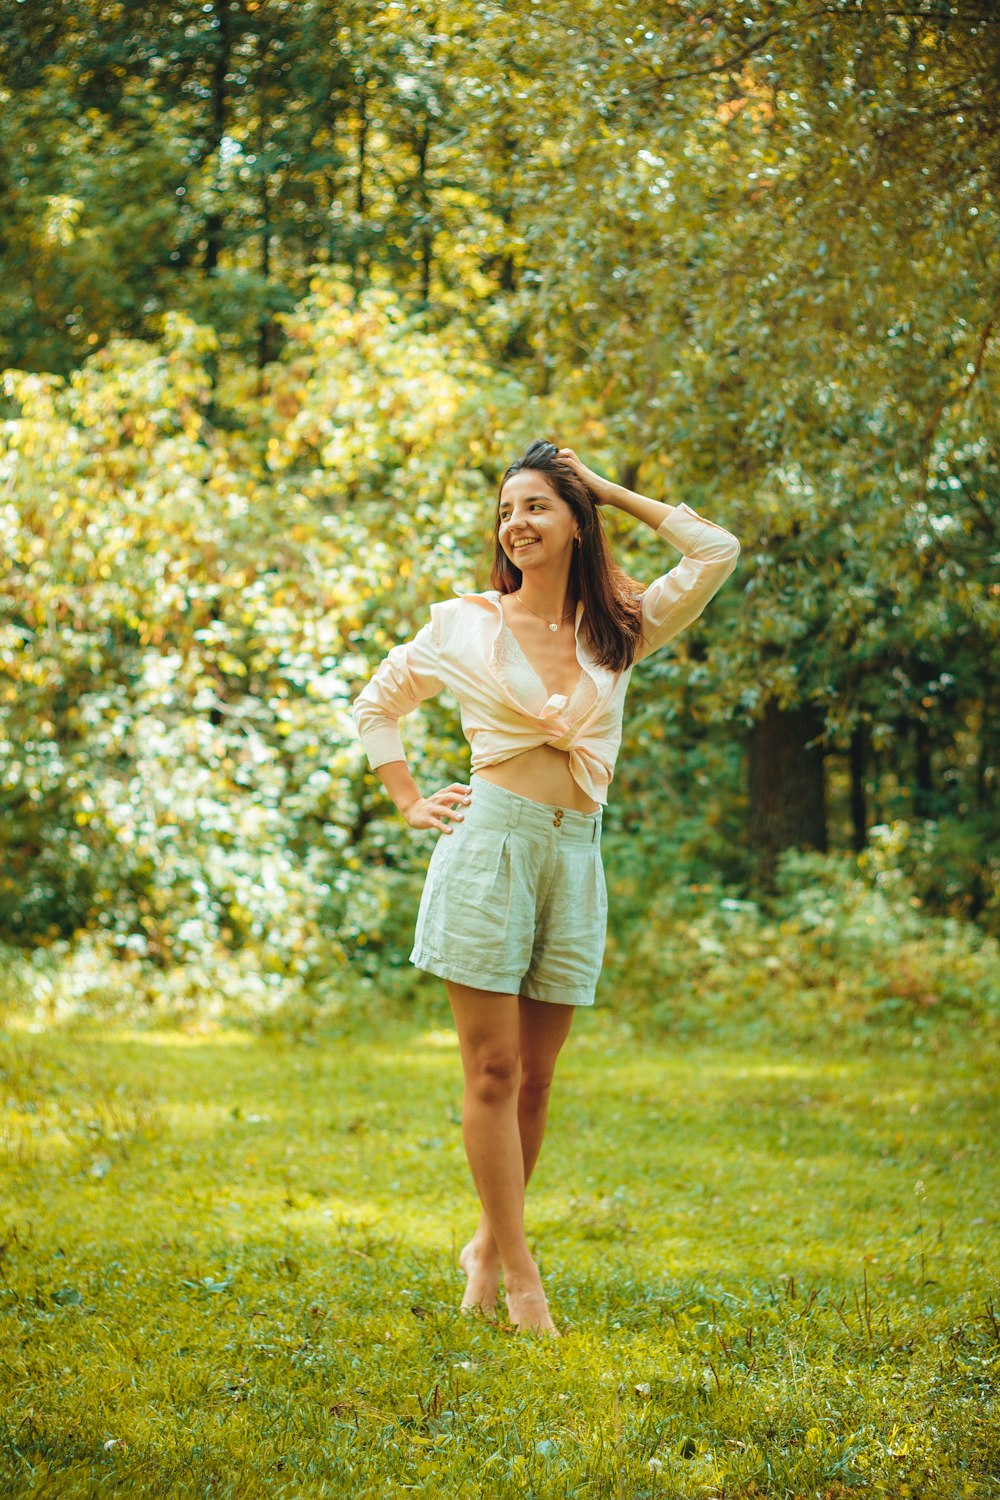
x: 611, y: 608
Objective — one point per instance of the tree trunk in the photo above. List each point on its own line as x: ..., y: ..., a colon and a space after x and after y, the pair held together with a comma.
x: 876, y: 761
x: 923, y: 773
x: 628, y: 475
x: 787, y: 786
x: 859, y: 810
x: 359, y: 259
x: 986, y: 760
x: 267, y: 328
x: 214, y: 219
x: 426, y: 236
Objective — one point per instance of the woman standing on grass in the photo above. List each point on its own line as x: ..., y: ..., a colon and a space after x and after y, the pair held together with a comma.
x: 513, y: 914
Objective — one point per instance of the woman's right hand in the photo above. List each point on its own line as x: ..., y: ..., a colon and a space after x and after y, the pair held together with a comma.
x: 428, y: 812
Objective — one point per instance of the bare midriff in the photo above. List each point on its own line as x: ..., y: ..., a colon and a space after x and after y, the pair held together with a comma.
x: 541, y: 773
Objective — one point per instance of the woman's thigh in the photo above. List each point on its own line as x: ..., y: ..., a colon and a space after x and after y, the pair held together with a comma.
x: 488, y: 1025
x: 497, y: 1030
x: 544, y: 1028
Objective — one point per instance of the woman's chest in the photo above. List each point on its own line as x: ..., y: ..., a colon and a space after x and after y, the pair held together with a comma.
x: 484, y: 664
x: 551, y: 665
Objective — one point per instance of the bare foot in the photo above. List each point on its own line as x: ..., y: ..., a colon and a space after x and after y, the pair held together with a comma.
x: 484, y: 1278
x: 528, y: 1310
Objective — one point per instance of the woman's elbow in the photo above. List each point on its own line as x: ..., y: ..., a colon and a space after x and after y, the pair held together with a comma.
x: 731, y: 557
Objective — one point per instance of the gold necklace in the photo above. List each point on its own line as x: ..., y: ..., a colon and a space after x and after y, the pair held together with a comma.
x: 537, y: 616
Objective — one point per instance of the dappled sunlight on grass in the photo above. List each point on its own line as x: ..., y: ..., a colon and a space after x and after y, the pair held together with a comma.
x: 447, y: 1039
x: 209, y: 1034
x: 221, y: 1232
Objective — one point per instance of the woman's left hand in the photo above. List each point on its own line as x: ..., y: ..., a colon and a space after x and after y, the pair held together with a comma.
x: 600, y: 487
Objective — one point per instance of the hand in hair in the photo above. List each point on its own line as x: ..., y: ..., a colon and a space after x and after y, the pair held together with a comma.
x: 599, y: 487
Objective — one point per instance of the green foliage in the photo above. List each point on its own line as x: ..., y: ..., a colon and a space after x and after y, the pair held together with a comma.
x: 838, y: 952
x: 184, y: 627
x: 948, y: 864
x: 843, y: 953
x: 284, y: 289
x: 283, y: 293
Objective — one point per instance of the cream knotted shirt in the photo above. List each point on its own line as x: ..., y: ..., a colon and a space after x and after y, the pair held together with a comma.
x: 460, y: 649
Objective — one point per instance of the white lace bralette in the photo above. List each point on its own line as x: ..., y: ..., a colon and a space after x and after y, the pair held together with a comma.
x: 525, y: 683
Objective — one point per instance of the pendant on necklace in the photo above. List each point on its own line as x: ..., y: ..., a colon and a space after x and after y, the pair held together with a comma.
x: 555, y: 626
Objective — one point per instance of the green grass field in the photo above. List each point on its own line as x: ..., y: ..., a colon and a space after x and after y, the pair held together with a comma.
x: 229, y: 1268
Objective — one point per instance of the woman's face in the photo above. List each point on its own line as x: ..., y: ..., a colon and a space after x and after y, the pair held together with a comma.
x: 534, y: 523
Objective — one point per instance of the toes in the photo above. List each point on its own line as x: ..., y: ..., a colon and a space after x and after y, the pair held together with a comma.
x: 478, y: 1310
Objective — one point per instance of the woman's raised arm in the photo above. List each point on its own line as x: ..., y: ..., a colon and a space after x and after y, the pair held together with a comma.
x: 672, y: 602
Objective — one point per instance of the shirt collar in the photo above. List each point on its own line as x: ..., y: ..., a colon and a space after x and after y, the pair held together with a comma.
x: 493, y: 596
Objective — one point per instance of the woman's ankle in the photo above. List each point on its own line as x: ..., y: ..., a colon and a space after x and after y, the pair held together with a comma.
x: 484, y: 1251
x: 484, y: 1245
x: 522, y: 1276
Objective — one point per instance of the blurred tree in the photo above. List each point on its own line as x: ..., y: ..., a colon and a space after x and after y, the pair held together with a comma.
x: 748, y: 259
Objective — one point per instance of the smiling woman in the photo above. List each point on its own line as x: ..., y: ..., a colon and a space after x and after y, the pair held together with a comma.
x: 513, y: 914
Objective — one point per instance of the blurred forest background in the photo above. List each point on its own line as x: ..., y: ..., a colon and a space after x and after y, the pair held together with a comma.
x: 287, y: 285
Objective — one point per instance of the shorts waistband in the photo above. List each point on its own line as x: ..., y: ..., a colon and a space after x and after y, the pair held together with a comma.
x: 514, y: 811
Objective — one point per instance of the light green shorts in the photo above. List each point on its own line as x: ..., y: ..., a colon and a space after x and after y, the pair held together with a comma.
x: 515, y: 899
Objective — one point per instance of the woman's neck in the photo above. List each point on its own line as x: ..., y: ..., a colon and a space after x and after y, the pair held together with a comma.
x: 551, y: 599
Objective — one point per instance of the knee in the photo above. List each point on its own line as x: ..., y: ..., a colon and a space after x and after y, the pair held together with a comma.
x: 494, y: 1075
x: 535, y: 1089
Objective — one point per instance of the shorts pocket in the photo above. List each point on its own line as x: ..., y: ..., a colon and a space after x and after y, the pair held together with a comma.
x: 478, y: 862
x: 465, y: 906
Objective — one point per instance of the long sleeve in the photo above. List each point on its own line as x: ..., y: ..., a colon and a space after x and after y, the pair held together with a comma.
x: 405, y: 677
x: 671, y: 603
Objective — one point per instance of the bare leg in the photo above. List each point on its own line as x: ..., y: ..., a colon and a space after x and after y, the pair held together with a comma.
x: 542, y: 1029
x: 488, y: 1027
